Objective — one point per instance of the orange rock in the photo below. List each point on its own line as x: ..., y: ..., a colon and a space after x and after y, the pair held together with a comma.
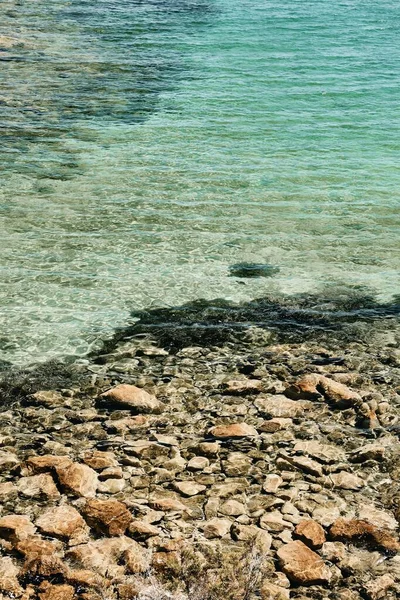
x: 243, y: 386
x: 311, y: 533
x: 100, y: 460
x: 304, y: 388
x: 78, y: 480
x: 107, y: 516
x: 136, y: 558
x: 64, y: 522
x: 302, y: 565
x: 15, y: 528
x: 167, y: 504
x: 85, y: 578
x: 364, y: 532
x: 46, y: 463
x: 45, y: 566
x: 235, y: 430
x: 35, y: 547
x: 315, y: 387
x: 132, y: 397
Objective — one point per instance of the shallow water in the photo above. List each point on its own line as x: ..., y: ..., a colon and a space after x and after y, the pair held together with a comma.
x: 148, y: 146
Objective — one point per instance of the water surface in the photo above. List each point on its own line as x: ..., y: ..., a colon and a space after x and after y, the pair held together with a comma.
x: 148, y: 146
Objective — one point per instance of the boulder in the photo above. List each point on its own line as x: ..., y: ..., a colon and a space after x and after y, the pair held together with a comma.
x: 15, y: 528
x: 45, y: 463
x: 38, y: 486
x: 132, y: 398
x: 311, y: 533
x: 357, y: 530
x: 64, y: 522
x: 78, y: 480
x: 107, y: 516
x: 302, y: 565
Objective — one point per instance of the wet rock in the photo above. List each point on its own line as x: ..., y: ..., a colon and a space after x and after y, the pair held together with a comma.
x: 132, y: 398
x: 311, y: 533
x: 302, y: 565
x: 78, y: 480
x: 235, y: 430
x: 305, y: 464
x: 317, y: 387
x: 107, y: 516
x: 64, y: 522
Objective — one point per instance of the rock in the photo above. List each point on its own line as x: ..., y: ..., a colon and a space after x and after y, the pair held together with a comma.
x: 142, y: 531
x: 322, y: 452
x: 261, y: 539
x: 274, y: 521
x: 378, y: 588
x: 232, y: 508
x: 236, y: 464
x: 111, y: 486
x: 78, y: 480
x: 48, y: 591
x: 242, y: 386
x: 305, y: 388
x: 272, y: 483
x: 35, y: 547
x: 315, y: 387
x: 8, y: 461
x: 133, y: 398
x: 279, y: 406
x: 216, y: 528
x: 8, y: 491
x: 103, y: 556
x: 346, y: 481
x: 235, y: 430
x: 368, y: 452
x: 46, y: 463
x: 167, y: 504
x: 136, y: 558
x: 111, y: 473
x: 311, y: 533
x: 107, y: 516
x: 38, y: 486
x: 305, y: 464
x: 48, y: 398
x: 302, y: 565
x: 198, y: 463
x: 64, y: 522
x: 15, y: 528
x: 44, y: 566
x: 380, y: 518
x: 276, y: 424
x: 100, y: 460
x: 269, y: 591
x: 9, y: 578
x: 189, y: 488
x: 363, y: 532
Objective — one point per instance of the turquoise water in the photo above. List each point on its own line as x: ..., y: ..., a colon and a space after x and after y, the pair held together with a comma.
x: 147, y: 146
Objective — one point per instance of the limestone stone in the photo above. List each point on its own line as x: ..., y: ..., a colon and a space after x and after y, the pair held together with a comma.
x: 15, y: 528
x: 232, y: 508
x: 142, y: 530
x: 235, y: 430
x: 324, y: 452
x: 198, y: 463
x: 111, y: 473
x: 78, y: 480
x: 111, y: 486
x: 346, y: 481
x: 281, y: 407
x: 133, y: 398
x: 136, y: 558
x: 107, y: 516
x: 216, y: 528
x: 272, y: 483
x: 275, y: 424
x: 36, y: 547
x: 311, y: 533
x: 242, y: 386
x: 382, y: 519
x: 368, y: 452
x: 302, y: 565
x: 167, y: 504
x: 8, y: 491
x: 189, y: 488
x: 102, y: 556
x: 38, y: 486
x: 48, y: 398
x: 64, y: 522
x: 305, y: 464
x: 274, y: 521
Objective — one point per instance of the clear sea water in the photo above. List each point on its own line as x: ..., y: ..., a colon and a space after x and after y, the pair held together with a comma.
x: 146, y: 146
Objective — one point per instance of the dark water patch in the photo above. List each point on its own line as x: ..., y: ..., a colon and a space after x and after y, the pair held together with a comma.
x: 332, y: 317
x: 247, y: 270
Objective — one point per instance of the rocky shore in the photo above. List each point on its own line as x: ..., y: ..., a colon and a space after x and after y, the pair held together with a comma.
x: 284, y: 455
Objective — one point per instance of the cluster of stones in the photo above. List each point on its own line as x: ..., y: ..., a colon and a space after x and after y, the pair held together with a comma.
x: 103, y: 483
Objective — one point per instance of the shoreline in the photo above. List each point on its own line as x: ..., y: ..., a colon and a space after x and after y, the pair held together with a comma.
x: 285, y: 440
